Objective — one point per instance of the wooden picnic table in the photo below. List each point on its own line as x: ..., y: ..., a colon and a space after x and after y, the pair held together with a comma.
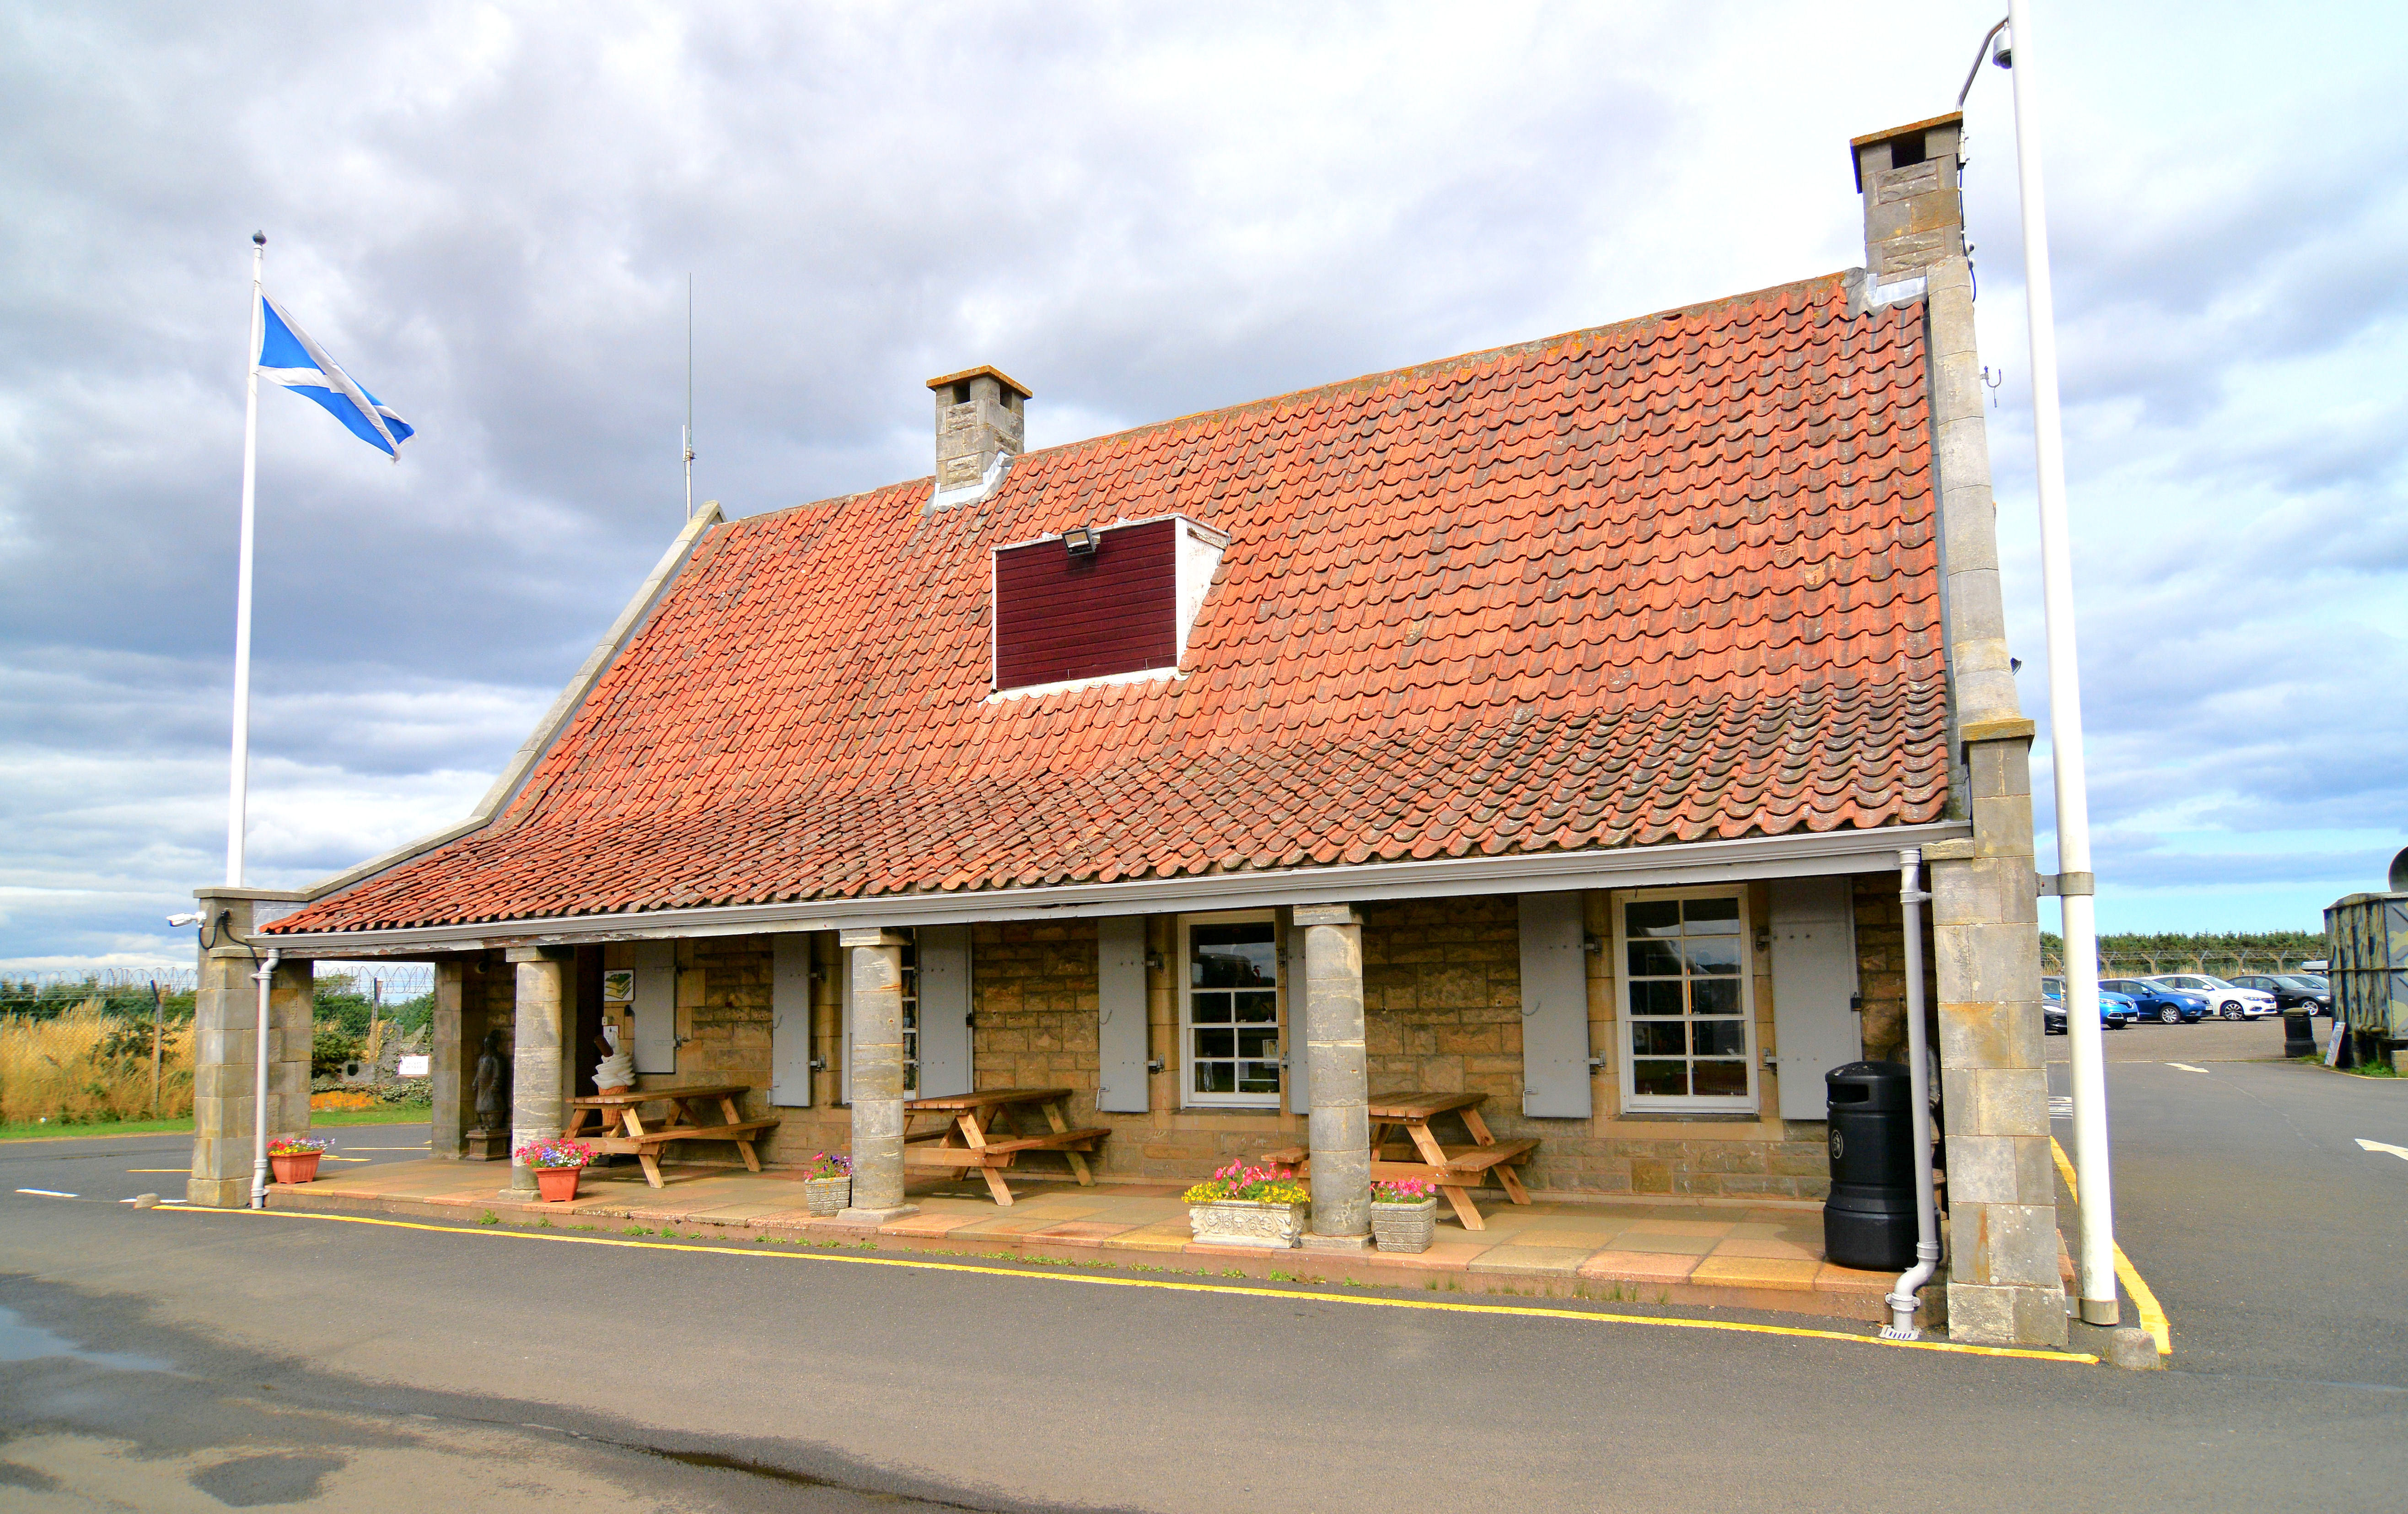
x: 619, y: 1128
x: 967, y: 1137
x: 1453, y: 1170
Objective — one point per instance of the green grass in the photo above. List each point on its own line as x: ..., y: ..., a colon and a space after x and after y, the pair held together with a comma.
x: 399, y: 1115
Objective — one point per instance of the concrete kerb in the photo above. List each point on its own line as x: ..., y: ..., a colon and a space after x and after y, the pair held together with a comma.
x: 1369, y: 1269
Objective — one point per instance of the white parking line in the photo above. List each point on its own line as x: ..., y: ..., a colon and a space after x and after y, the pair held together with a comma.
x: 2187, y: 1067
x: 2364, y: 1145
x: 48, y: 1193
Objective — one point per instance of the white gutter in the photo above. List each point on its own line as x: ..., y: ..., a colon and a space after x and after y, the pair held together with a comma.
x: 1812, y: 854
x: 1901, y: 1299
x: 267, y: 977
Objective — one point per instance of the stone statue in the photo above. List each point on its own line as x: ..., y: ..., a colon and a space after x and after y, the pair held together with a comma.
x: 493, y: 1098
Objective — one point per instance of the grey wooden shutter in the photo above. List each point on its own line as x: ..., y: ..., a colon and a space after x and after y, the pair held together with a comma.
x: 656, y: 1006
x: 790, y: 1020
x: 1122, y: 1084
x: 1292, y: 979
x: 944, y: 958
x: 1812, y: 926
x: 844, y: 1027
x: 1554, y: 1007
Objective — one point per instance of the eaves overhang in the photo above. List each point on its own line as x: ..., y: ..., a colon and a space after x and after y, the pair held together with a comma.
x: 1800, y: 854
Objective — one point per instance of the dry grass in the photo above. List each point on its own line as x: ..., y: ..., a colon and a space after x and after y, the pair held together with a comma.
x: 85, y: 1066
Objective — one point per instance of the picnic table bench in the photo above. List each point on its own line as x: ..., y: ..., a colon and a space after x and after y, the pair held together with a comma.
x: 1453, y: 1170
x: 621, y: 1130
x: 966, y: 1139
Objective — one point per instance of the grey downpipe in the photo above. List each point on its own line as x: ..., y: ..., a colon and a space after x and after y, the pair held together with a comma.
x: 1901, y: 1300
x: 267, y: 977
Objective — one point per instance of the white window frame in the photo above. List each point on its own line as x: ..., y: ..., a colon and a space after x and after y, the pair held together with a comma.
x: 1716, y: 1103
x: 1188, y: 1098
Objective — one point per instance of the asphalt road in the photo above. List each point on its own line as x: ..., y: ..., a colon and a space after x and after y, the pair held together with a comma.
x: 165, y: 1360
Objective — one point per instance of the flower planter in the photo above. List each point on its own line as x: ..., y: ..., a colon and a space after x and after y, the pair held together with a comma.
x: 826, y: 1196
x: 295, y: 1167
x: 1243, y: 1222
x: 558, y: 1185
x: 1404, y: 1227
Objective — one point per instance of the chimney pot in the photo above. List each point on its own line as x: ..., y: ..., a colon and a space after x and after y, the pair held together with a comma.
x: 981, y: 426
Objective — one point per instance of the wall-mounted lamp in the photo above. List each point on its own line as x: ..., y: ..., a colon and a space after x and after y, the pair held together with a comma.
x: 1080, y: 541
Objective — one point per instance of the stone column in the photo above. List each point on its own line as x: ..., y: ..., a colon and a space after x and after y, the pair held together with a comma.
x: 538, y: 1111
x: 2003, y: 1280
x: 225, y: 1042
x: 1340, y: 1123
x: 875, y: 960
x: 450, y: 1063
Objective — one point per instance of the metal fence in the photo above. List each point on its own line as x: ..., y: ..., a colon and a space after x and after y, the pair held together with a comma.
x: 131, y: 990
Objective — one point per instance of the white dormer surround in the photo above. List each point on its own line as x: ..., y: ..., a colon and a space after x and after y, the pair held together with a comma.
x: 980, y: 428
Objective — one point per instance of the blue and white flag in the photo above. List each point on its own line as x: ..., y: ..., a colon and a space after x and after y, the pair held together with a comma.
x: 289, y: 357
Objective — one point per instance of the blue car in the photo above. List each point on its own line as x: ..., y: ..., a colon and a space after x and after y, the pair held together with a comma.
x: 2116, y: 1010
x: 2152, y: 1000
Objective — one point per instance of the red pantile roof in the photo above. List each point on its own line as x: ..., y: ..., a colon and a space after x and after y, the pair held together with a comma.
x: 1669, y: 579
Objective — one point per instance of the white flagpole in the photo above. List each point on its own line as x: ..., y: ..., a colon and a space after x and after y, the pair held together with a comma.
x: 239, y: 783
x: 2096, y: 1204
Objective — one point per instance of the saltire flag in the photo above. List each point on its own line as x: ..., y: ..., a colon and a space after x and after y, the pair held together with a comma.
x: 287, y: 356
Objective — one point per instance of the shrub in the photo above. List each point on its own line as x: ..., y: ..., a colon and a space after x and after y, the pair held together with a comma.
x: 85, y: 1066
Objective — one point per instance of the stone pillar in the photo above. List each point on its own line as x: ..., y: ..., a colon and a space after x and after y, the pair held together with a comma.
x: 225, y: 1042
x: 2003, y: 1286
x: 1340, y: 1123
x: 537, y: 1110
x: 450, y: 1063
x: 875, y: 960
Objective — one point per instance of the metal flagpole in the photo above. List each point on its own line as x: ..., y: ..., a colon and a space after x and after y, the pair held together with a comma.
x: 238, y: 785
x: 688, y: 396
x: 2097, y: 1202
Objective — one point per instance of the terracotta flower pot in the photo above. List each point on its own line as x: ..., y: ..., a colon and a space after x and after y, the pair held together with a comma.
x: 558, y: 1185
x: 295, y: 1167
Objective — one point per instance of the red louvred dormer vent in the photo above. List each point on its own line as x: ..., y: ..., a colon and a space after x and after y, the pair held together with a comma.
x: 1100, y: 603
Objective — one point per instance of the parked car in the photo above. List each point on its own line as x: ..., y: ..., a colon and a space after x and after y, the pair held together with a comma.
x: 2229, y: 1000
x: 2292, y: 990
x: 2116, y: 1011
x: 2155, y: 1001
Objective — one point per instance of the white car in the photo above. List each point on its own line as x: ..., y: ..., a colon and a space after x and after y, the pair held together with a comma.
x: 2229, y: 1000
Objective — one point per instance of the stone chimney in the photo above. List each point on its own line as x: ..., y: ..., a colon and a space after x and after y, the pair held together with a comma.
x: 1915, y: 215
x: 980, y: 423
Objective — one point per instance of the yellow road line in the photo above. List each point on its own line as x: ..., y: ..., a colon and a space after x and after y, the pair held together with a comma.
x: 1736, y: 1326
x: 2153, y: 1319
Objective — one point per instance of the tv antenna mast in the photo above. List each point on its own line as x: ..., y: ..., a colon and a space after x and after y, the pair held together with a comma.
x: 688, y: 396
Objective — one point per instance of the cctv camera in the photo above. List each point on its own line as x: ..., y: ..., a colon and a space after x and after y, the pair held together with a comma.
x: 180, y: 920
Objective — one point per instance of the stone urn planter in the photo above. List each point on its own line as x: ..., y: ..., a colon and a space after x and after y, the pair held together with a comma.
x: 1404, y: 1227
x: 1246, y: 1222
x: 294, y: 1166
x: 557, y: 1185
x: 826, y: 1196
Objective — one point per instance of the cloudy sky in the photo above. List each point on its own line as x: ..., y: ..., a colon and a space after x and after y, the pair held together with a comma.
x: 489, y: 214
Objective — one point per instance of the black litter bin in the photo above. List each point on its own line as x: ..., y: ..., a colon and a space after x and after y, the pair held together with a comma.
x: 1868, y: 1220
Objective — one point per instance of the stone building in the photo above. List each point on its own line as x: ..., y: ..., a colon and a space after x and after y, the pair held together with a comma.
x: 1563, y: 716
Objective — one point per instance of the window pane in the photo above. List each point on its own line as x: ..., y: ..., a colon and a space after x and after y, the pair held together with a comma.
x: 1257, y: 1006
x: 1258, y: 1077
x: 1657, y: 1038
x: 1715, y: 954
x: 1210, y: 1009
x: 1720, y: 1038
x: 1261, y: 1043
x: 1216, y: 1043
x: 1233, y: 955
x: 1720, y: 1078
x: 1652, y: 918
x: 1216, y: 1077
x: 1659, y: 1077
x: 1656, y: 998
x: 1704, y: 917
x: 1653, y: 960
x: 1713, y: 996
